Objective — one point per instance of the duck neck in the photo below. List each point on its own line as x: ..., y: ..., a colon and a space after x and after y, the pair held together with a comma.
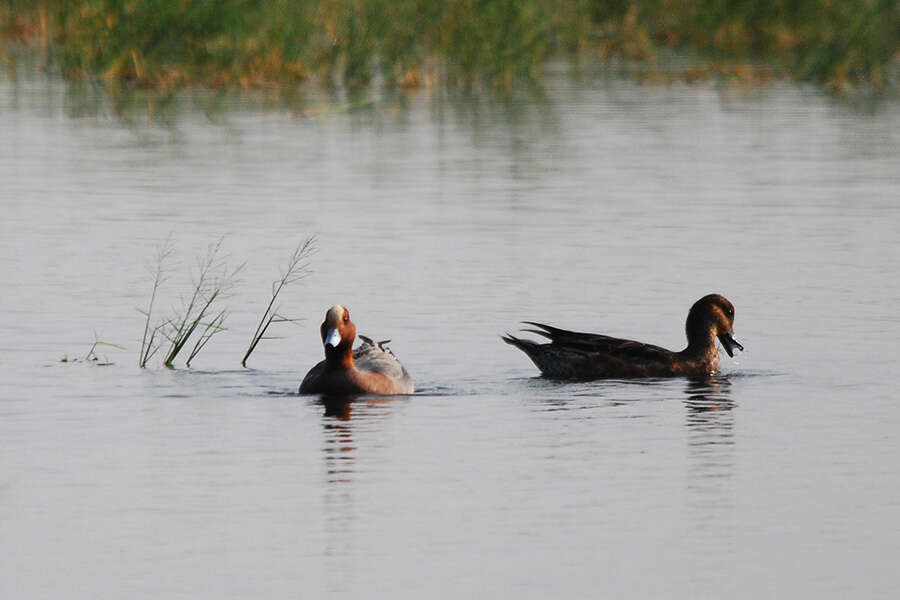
x: 702, y: 346
x: 340, y: 358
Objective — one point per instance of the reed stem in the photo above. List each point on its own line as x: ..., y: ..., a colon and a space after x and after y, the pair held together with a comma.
x: 297, y: 268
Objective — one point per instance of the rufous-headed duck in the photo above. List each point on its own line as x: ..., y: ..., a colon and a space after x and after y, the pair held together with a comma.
x: 370, y: 369
x: 573, y: 355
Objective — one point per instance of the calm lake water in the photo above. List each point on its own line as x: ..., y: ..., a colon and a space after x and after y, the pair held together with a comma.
x: 442, y: 222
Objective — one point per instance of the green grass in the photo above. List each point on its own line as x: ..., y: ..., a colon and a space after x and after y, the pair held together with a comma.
x: 212, y: 281
x: 199, y: 317
x: 168, y: 44
x: 150, y: 342
x: 296, y: 269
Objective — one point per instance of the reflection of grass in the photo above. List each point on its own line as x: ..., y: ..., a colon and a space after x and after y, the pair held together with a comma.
x: 240, y: 43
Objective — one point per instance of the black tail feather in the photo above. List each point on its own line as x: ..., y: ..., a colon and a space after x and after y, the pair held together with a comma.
x: 549, y: 336
x: 517, y: 342
x: 548, y: 330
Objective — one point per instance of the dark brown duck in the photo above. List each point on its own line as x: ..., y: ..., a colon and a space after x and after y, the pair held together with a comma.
x: 574, y: 355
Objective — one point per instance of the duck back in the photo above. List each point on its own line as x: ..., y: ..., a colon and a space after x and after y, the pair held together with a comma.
x: 376, y: 370
x: 577, y: 355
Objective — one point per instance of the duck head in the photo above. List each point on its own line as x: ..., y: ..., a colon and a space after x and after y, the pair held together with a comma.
x: 338, y: 331
x: 712, y: 316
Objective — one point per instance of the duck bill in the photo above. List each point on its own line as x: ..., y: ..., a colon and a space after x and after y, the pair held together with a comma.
x: 729, y: 343
x: 333, y: 338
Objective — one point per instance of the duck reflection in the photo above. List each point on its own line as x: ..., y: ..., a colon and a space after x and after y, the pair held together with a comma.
x: 339, y: 407
x: 342, y: 418
x: 709, y: 424
x: 709, y: 404
x: 339, y: 449
x: 349, y: 424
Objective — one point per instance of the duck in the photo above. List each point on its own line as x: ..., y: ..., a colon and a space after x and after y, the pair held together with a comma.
x: 586, y: 356
x: 369, y: 369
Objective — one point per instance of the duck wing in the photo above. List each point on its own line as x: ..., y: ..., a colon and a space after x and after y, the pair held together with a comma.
x: 369, y: 356
x: 597, y: 343
x: 378, y: 358
x: 577, y: 355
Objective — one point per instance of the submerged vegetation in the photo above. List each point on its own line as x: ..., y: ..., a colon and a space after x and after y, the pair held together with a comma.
x: 241, y: 43
x: 91, y: 357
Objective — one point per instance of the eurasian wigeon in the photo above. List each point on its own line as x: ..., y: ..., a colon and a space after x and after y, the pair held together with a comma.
x: 370, y: 369
x: 573, y: 355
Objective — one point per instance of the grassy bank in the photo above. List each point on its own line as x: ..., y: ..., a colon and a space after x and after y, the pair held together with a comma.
x: 171, y: 43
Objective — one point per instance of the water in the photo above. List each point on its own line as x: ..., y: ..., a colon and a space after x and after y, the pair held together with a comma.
x: 442, y: 223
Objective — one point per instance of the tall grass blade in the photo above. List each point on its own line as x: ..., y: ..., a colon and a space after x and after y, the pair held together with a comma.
x: 212, y: 281
x: 297, y: 268
x: 211, y: 328
x: 149, y: 343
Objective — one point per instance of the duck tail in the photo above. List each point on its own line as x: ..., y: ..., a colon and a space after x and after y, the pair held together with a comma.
x: 533, y: 350
x: 523, y: 345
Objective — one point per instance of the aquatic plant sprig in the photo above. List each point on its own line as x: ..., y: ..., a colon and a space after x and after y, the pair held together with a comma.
x: 212, y: 282
x: 150, y: 343
x: 92, y: 353
x: 297, y: 268
x: 210, y: 329
x: 91, y: 356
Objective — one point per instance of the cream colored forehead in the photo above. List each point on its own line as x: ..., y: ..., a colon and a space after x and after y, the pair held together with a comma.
x: 335, y: 313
